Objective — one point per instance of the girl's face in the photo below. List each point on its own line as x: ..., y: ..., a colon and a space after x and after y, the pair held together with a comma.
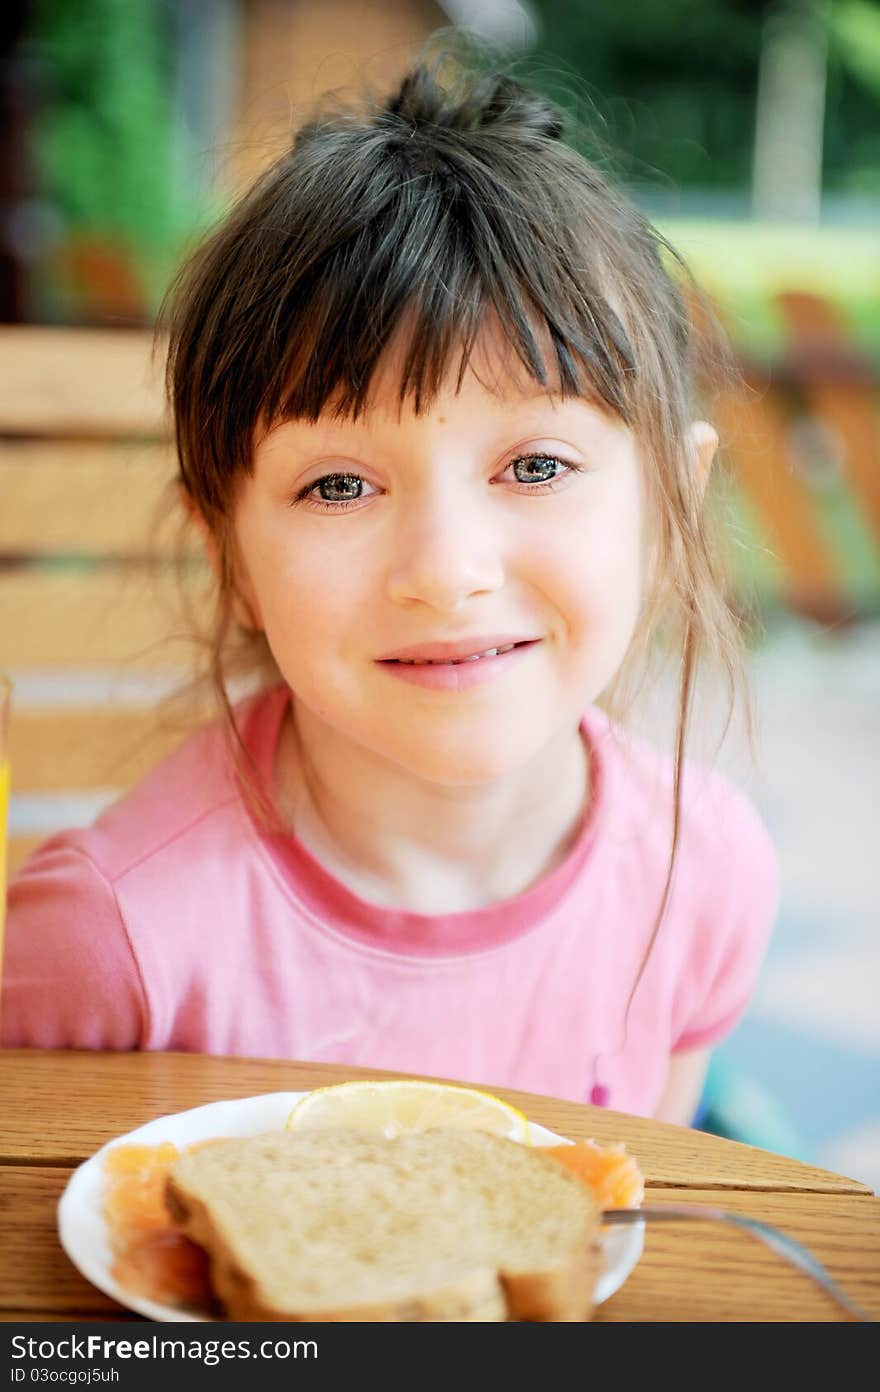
x: 504, y: 526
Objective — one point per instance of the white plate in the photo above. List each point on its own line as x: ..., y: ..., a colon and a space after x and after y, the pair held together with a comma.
x: 86, y: 1241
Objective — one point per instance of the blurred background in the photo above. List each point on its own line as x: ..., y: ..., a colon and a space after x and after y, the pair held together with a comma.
x: 751, y: 134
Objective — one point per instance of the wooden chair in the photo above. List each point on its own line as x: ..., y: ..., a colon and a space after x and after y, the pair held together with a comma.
x: 839, y: 385
x: 822, y: 387
x: 87, y: 583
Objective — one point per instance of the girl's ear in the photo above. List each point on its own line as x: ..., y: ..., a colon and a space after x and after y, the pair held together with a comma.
x: 702, y: 444
x: 243, y: 606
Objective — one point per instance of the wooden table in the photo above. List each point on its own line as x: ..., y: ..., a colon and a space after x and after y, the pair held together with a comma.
x: 56, y: 1109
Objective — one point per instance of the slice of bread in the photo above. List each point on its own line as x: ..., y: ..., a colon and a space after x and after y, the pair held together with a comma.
x: 346, y: 1225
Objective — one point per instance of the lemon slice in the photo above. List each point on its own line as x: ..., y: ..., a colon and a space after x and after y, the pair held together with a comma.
x: 392, y: 1108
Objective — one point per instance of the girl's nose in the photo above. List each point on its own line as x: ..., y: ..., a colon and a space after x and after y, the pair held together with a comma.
x: 444, y: 555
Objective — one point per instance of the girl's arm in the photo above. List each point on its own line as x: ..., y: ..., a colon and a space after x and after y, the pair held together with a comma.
x: 684, y: 1086
x: 70, y: 979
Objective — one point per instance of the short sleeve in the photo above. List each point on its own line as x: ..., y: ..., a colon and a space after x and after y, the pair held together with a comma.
x: 739, y: 908
x: 70, y: 979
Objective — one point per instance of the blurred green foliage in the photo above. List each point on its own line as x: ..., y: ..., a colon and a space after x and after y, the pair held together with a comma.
x: 103, y: 131
x: 852, y: 144
x: 670, y: 85
x: 667, y: 85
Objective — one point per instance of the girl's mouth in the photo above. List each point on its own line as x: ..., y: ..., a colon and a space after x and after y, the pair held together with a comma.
x: 458, y: 672
x: 454, y: 661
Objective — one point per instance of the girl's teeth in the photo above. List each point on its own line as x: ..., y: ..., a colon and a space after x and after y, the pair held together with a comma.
x: 455, y: 661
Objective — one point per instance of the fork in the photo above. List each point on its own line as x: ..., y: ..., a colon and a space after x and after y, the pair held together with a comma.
x: 792, y: 1251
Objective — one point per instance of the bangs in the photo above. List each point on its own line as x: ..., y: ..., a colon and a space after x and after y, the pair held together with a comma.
x: 433, y: 257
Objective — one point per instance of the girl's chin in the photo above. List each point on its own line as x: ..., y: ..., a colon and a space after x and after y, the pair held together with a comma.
x: 466, y: 767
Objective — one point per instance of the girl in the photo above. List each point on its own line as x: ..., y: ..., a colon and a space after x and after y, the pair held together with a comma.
x: 432, y: 393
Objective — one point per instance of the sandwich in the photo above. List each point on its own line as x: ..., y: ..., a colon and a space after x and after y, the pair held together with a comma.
x: 348, y: 1225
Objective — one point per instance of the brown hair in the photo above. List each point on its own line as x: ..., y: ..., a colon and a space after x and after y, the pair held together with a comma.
x: 426, y: 213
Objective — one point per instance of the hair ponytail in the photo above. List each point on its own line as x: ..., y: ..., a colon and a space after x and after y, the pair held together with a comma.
x: 493, y: 102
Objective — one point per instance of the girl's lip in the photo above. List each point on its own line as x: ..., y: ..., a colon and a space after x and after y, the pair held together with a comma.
x: 456, y: 676
x: 456, y: 651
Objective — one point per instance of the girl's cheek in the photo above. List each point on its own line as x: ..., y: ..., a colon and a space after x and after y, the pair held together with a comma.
x: 595, y: 556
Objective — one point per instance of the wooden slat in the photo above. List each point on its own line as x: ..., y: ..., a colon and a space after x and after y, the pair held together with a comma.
x: 108, y: 617
x: 848, y: 402
x: 752, y: 423
x: 80, y: 382
x: 18, y: 849
x: 104, y: 747
x: 753, y: 432
x: 88, y: 499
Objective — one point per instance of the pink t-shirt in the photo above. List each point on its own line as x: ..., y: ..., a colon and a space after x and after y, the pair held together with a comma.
x: 175, y: 922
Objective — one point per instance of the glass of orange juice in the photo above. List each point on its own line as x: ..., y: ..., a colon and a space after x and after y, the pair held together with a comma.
x: 5, y: 703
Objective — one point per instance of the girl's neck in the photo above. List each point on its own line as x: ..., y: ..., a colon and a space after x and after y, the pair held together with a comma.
x: 421, y: 847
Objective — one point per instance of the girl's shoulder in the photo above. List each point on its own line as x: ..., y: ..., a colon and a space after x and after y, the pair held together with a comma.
x: 720, y: 823
x: 194, y: 784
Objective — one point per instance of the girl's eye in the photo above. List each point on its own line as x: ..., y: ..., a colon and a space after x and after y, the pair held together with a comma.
x: 539, y: 468
x: 334, y: 490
